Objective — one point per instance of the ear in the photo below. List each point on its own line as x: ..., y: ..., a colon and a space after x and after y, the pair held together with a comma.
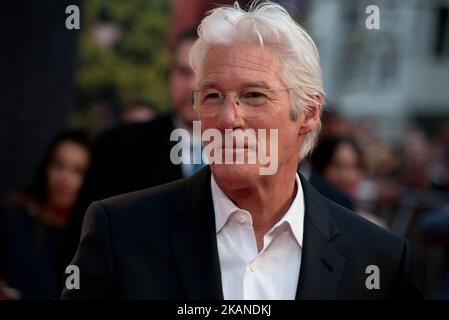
x: 311, y: 117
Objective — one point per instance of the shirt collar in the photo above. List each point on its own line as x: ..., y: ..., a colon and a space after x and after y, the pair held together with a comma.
x: 224, y: 208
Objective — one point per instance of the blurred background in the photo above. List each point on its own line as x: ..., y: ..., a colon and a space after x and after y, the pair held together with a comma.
x: 84, y: 109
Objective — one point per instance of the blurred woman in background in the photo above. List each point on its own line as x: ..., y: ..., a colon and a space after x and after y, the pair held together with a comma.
x: 339, y: 160
x: 32, y: 221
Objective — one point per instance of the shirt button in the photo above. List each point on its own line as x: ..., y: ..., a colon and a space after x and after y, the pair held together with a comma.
x: 252, y: 266
x: 242, y: 218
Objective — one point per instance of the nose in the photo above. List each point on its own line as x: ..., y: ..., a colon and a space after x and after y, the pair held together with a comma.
x: 229, y: 116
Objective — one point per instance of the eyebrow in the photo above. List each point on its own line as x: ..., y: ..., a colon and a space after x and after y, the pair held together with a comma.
x: 208, y: 85
x: 253, y: 84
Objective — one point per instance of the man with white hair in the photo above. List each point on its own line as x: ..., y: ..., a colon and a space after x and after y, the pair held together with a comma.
x: 230, y: 232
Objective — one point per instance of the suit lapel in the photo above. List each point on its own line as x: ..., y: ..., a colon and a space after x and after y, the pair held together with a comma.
x: 195, y: 244
x: 194, y: 240
x: 321, y: 264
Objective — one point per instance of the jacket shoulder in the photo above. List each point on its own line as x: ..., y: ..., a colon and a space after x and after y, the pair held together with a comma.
x: 360, y: 232
x: 148, y: 205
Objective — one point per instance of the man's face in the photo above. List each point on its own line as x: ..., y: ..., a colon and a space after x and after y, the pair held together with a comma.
x: 235, y: 69
x: 182, y: 82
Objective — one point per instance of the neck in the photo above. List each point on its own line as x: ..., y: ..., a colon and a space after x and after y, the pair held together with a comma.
x: 267, y: 201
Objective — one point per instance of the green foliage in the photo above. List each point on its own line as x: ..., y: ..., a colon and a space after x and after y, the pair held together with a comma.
x: 135, y: 67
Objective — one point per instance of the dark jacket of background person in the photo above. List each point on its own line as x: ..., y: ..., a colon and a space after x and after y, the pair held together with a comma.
x: 160, y: 243
x: 29, y: 250
x: 124, y: 159
x: 435, y: 230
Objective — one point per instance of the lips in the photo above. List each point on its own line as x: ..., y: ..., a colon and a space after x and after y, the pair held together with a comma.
x: 235, y: 148
x: 237, y: 140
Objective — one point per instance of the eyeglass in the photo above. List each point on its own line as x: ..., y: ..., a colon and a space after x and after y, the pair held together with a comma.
x: 208, y: 102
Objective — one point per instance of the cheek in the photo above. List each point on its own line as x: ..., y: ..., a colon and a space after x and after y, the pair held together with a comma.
x: 76, y: 181
x: 276, y: 117
x: 207, y: 123
x: 54, y: 178
x: 175, y: 86
x: 355, y: 177
x: 288, y: 136
x: 64, y: 180
x: 280, y: 118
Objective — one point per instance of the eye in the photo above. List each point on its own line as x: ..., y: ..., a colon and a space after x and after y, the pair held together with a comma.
x: 212, y: 96
x: 253, y: 98
x: 253, y: 95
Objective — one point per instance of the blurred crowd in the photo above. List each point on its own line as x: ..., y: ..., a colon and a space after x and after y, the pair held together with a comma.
x: 402, y: 186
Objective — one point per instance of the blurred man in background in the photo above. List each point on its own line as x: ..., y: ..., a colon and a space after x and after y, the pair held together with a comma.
x: 137, y: 156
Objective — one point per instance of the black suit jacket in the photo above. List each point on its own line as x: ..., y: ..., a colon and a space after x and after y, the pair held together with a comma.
x: 160, y: 243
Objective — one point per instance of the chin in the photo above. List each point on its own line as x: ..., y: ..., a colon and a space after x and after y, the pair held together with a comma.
x: 235, y: 175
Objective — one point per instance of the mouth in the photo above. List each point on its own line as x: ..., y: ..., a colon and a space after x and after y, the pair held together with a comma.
x: 245, y: 145
x: 236, y: 149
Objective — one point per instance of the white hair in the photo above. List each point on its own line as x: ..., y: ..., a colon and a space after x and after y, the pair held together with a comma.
x: 269, y: 25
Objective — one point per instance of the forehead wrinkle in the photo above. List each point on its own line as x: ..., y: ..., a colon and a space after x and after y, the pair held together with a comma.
x: 252, y: 83
x: 233, y: 65
x: 209, y: 75
x: 227, y: 65
x: 210, y: 80
x: 247, y: 62
x: 251, y: 57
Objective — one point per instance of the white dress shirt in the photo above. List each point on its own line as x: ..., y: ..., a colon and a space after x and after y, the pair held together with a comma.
x: 247, y: 274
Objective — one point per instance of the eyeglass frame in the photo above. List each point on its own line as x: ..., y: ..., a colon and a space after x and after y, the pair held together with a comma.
x: 237, y: 99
